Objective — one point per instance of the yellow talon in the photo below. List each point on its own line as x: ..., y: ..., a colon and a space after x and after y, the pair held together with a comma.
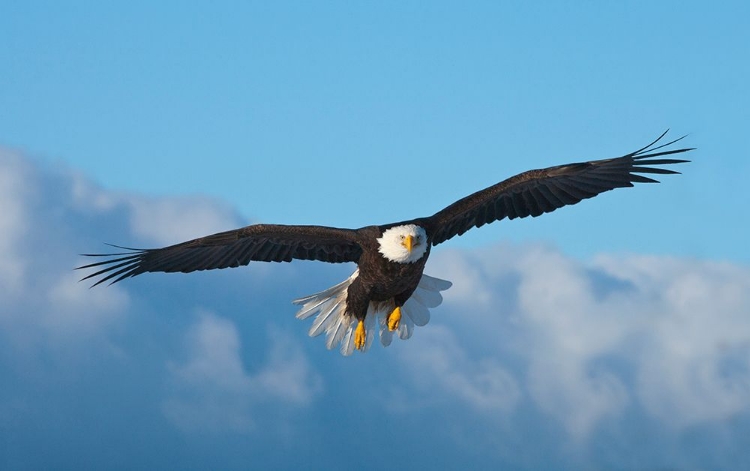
x: 360, y: 336
x: 394, y: 319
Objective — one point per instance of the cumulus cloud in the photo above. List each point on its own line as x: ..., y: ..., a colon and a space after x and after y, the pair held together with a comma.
x: 166, y: 221
x: 74, y: 310
x: 439, y: 364
x: 531, y: 341
x: 42, y: 302
x: 162, y: 220
x: 568, y: 329
x: 669, y: 336
x: 215, y: 392
x: 694, y: 365
x: 14, y: 194
x: 46, y: 213
x: 56, y: 330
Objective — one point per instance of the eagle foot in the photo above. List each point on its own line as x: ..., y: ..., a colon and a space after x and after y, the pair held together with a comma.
x: 360, y: 336
x: 394, y: 319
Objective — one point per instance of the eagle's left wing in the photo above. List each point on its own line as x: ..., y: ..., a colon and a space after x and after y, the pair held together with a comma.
x: 542, y: 191
x: 259, y: 242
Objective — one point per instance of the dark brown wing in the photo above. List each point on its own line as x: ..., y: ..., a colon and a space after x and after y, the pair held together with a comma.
x: 259, y: 242
x: 542, y: 191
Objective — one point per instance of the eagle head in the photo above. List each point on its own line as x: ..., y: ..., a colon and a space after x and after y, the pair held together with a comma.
x: 403, y: 244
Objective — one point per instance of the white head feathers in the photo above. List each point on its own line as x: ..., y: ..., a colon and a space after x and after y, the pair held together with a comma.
x: 403, y: 244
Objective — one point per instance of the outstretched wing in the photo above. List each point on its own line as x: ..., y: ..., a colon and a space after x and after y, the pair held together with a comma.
x: 542, y: 191
x: 259, y: 242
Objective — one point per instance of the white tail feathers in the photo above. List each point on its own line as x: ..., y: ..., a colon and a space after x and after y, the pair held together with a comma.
x: 339, y: 326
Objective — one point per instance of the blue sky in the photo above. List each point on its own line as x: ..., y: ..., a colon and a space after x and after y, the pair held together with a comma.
x: 609, y: 335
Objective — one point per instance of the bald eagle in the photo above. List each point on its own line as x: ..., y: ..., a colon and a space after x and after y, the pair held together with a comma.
x: 389, y: 290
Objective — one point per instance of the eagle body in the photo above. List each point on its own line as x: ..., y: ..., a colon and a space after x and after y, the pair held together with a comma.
x: 389, y: 292
x: 381, y: 279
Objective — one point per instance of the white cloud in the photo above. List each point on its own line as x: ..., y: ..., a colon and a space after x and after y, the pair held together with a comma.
x: 568, y: 329
x: 162, y: 220
x: 15, y: 189
x: 42, y: 300
x: 466, y: 272
x: 168, y: 220
x: 215, y: 392
x: 48, y: 214
x: 288, y: 376
x: 527, y: 336
x: 437, y: 364
x: 74, y: 309
x: 87, y: 195
x: 683, y: 326
x: 695, y: 327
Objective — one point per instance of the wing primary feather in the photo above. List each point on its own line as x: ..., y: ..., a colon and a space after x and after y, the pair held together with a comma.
x: 650, y: 150
x: 649, y: 147
x: 663, y: 171
x: 642, y: 179
x: 113, y: 272
x: 104, y: 262
x: 660, y: 161
x: 178, y: 261
x: 125, y: 274
x: 109, y: 265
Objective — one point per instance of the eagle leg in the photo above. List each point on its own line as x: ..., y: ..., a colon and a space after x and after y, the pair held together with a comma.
x: 394, y: 319
x: 360, y: 336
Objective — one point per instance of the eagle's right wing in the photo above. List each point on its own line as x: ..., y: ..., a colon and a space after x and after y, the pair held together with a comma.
x: 259, y: 242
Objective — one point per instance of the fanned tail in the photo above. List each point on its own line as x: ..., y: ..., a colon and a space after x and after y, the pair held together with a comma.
x: 331, y: 318
x: 330, y: 305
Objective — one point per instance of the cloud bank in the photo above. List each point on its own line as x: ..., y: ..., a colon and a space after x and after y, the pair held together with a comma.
x: 535, y: 359
x: 667, y: 336
x: 215, y: 392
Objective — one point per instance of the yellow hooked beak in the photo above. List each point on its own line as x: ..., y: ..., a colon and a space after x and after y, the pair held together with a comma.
x: 408, y: 242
